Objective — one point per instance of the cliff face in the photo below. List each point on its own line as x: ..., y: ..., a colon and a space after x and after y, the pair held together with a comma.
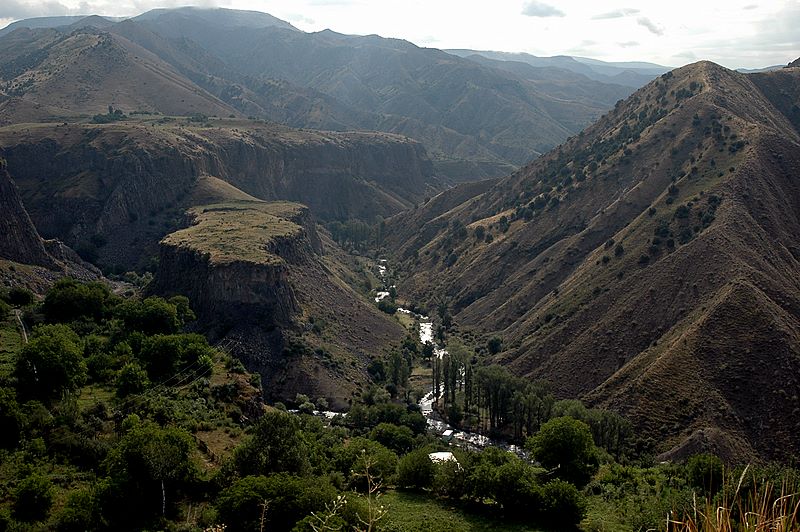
x: 19, y: 240
x: 25, y: 258
x: 129, y: 183
x: 257, y: 275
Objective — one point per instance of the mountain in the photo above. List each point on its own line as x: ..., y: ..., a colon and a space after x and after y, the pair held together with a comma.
x: 87, y: 70
x: 629, y: 74
x: 648, y: 265
x: 462, y: 112
x: 268, y: 287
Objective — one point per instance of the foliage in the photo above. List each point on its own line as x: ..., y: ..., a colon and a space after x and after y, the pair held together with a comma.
x: 565, y: 445
x: 705, y: 472
x: 397, y: 438
x: 416, y: 470
x: 68, y: 300
x: 152, y: 315
x: 20, y: 296
x: 282, y: 499
x: 275, y: 445
x: 51, y: 363
x: 33, y: 498
x: 132, y: 379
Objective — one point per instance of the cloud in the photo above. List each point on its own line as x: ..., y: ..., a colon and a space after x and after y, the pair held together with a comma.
x: 750, y: 6
x: 14, y: 9
x: 617, y: 13
x: 628, y: 44
x: 650, y: 25
x: 539, y: 9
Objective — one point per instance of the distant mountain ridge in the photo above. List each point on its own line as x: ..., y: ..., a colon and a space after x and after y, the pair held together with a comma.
x: 475, y: 120
x: 631, y: 74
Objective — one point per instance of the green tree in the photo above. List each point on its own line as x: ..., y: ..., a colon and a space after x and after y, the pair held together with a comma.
x: 416, y: 470
x: 132, y: 379
x: 565, y: 445
x: 153, y: 315
x: 705, y: 472
x: 10, y: 419
x: 51, y: 363
x: 398, y: 438
x: 275, y: 445
x: 152, y: 461
x: 69, y: 300
x: 33, y: 498
x: 282, y: 499
x: 20, y: 296
x: 562, y: 503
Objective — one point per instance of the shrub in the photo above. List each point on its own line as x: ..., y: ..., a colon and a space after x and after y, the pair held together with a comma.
x: 51, y: 363
x: 705, y: 472
x: 20, y: 296
x: 398, y: 438
x: 70, y: 300
x: 289, y: 500
x: 33, y: 498
x: 562, y: 503
x: 132, y: 379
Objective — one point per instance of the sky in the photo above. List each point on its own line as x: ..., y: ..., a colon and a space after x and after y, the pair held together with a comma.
x: 733, y: 33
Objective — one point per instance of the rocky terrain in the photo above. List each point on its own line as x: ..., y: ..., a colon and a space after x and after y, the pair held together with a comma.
x: 648, y: 265
x: 25, y: 258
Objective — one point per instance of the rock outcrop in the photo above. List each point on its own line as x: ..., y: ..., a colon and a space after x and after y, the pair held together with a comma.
x: 258, y: 277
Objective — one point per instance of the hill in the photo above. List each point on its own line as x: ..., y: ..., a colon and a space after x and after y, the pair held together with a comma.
x: 629, y: 74
x: 340, y: 81
x: 648, y: 265
x: 87, y: 70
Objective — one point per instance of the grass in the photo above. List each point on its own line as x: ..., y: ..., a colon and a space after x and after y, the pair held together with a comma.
x: 238, y: 230
x: 10, y: 344
x: 765, y: 506
x: 412, y: 512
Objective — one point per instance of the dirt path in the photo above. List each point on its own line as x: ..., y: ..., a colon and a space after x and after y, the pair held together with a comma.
x: 18, y: 314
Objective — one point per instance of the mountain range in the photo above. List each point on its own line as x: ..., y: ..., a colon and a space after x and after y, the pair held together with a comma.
x: 475, y: 119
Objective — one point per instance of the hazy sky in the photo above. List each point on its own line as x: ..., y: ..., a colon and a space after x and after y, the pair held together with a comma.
x: 734, y: 33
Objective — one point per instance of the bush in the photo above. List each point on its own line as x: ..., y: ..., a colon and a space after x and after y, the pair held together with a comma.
x: 416, y: 470
x: 397, y: 438
x: 154, y: 315
x: 705, y: 472
x: 289, y: 500
x: 132, y: 379
x: 275, y: 445
x: 20, y: 296
x: 5, y: 309
x: 33, y: 498
x: 562, y: 503
x: 70, y: 300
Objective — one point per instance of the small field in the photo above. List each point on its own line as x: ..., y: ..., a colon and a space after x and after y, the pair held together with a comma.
x: 10, y: 344
x: 414, y: 512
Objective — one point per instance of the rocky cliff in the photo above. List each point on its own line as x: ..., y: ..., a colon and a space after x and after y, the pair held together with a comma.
x: 113, y: 191
x: 260, y: 281
x: 42, y: 261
